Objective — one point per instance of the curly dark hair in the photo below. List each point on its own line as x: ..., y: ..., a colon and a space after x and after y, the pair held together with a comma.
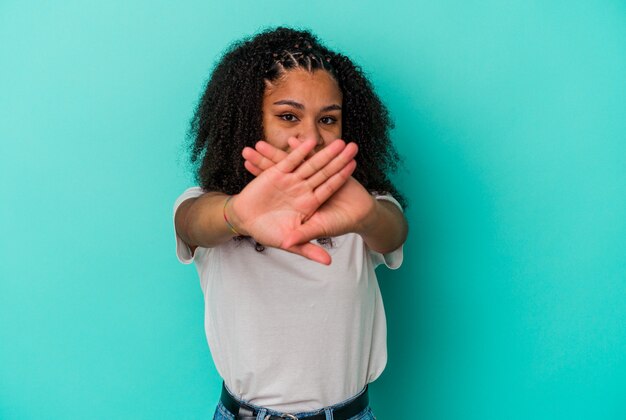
x: 229, y: 114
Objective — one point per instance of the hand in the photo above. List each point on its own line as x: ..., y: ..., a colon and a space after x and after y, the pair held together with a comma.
x: 349, y: 209
x: 273, y: 206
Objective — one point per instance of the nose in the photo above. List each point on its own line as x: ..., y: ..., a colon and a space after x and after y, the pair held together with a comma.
x: 311, y: 131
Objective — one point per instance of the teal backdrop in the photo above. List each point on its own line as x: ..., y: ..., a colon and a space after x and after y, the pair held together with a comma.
x: 510, y: 116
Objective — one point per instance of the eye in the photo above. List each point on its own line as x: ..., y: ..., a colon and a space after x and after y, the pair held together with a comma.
x: 328, y: 120
x: 288, y: 117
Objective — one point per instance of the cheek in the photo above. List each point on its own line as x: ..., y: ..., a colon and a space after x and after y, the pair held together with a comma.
x: 333, y: 134
x: 329, y: 137
x: 277, y: 138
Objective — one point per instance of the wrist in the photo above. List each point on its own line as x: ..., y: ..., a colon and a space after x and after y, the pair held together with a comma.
x: 231, y: 217
x: 371, y: 217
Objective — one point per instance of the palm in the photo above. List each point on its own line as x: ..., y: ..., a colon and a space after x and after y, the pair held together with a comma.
x: 342, y: 213
x: 274, y: 204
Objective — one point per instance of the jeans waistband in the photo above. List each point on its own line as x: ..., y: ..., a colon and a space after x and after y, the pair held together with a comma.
x: 344, y: 410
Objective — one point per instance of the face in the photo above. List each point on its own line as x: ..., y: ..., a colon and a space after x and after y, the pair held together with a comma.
x: 304, y: 105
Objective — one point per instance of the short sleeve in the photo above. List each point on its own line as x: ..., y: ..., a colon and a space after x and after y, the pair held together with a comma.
x: 393, y: 259
x: 183, y: 252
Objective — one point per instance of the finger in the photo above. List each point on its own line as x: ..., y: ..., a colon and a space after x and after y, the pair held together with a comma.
x: 293, y: 142
x: 320, y: 159
x: 295, y: 157
x: 303, y: 234
x: 254, y: 170
x: 334, y: 183
x: 270, y: 152
x: 256, y: 158
x: 334, y: 166
x: 312, y: 252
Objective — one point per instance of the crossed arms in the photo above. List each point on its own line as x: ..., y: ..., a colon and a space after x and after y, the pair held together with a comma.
x: 295, y: 197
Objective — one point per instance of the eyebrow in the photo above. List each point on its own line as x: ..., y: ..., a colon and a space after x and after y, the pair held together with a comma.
x: 333, y: 107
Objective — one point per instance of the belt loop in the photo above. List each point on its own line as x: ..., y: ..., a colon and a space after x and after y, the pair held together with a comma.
x: 329, y: 413
x: 261, y: 415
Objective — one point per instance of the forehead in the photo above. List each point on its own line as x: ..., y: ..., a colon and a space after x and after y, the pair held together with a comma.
x: 303, y: 83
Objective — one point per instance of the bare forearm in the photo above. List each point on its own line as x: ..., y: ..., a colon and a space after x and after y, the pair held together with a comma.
x: 200, y: 221
x: 386, y: 228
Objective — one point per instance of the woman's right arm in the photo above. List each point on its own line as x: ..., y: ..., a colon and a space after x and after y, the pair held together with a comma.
x: 200, y: 221
x: 273, y: 204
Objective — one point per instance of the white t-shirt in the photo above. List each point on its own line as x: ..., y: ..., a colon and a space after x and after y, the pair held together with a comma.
x: 288, y: 333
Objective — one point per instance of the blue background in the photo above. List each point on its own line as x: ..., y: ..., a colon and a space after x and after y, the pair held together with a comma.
x: 510, y: 116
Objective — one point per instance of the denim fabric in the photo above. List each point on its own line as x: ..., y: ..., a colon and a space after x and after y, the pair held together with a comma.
x: 221, y: 413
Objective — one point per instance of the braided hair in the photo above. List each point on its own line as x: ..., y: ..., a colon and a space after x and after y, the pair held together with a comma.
x: 229, y: 115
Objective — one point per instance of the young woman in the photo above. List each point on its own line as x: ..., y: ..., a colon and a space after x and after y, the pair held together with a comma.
x: 287, y: 226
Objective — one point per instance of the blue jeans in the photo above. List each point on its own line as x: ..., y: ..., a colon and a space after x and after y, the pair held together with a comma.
x: 221, y: 413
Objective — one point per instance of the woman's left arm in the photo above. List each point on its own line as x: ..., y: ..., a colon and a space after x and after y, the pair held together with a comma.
x: 351, y: 209
x: 385, y: 228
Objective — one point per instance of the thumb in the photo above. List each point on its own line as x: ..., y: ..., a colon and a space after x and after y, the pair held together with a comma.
x: 311, y: 251
x: 303, y: 234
